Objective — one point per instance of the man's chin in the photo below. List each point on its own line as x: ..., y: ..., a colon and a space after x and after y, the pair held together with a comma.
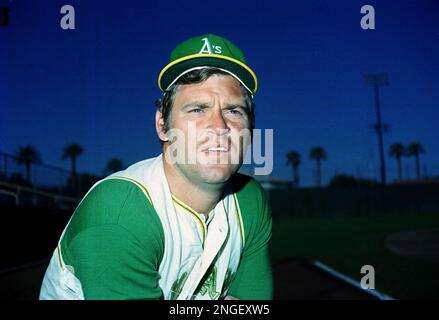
x: 217, y: 173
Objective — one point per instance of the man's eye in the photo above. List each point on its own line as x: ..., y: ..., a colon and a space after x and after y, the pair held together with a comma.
x: 196, y: 110
x: 235, y: 112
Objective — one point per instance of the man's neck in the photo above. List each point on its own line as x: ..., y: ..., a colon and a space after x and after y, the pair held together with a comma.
x: 206, y: 197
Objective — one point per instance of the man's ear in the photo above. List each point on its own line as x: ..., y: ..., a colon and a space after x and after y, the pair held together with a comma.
x: 160, y: 126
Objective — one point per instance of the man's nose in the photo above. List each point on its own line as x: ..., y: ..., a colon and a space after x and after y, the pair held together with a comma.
x: 217, y: 123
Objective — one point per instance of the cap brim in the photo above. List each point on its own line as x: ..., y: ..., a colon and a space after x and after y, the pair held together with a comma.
x: 177, y: 68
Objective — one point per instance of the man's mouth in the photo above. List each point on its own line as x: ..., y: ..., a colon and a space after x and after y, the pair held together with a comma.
x: 216, y: 150
x: 220, y: 149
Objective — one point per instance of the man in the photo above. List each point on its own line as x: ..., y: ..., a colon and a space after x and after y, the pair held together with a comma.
x: 183, y: 225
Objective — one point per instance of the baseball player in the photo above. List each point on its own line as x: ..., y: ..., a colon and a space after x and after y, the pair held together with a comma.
x: 166, y: 229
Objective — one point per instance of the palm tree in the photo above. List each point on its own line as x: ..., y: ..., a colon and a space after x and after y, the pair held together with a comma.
x: 27, y: 155
x: 114, y: 165
x: 72, y: 151
x: 293, y: 159
x: 318, y: 154
x: 415, y: 149
x: 397, y: 150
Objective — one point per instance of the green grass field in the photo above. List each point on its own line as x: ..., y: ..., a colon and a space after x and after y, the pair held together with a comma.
x: 348, y: 243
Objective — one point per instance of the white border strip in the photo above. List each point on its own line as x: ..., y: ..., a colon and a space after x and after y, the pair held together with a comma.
x: 351, y: 281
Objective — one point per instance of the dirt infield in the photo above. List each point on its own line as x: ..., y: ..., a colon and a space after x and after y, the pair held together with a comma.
x: 299, y: 279
x: 422, y: 243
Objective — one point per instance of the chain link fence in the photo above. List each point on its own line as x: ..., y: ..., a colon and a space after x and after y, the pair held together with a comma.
x: 36, y: 184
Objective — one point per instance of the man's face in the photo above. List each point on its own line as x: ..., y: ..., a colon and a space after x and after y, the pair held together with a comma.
x: 213, y: 119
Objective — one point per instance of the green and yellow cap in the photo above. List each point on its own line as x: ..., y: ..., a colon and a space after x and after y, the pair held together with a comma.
x: 207, y: 51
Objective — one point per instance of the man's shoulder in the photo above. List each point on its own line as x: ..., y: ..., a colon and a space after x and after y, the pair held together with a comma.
x: 253, y: 205
x: 247, y: 187
x: 137, y: 169
x: 114, y: 201
x: 128, y: 183
x: 112, y: 192
x: 113, y: 209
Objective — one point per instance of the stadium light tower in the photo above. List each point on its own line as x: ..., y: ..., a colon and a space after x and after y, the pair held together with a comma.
x: 375, y: 81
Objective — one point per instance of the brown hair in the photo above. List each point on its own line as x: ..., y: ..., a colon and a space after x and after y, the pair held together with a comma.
x: 164, y: 104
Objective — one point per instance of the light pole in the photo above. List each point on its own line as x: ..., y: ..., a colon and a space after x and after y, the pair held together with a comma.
x: 375, y: 81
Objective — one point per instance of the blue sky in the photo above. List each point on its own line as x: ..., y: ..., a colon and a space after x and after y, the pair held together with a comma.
x: 96, y: 85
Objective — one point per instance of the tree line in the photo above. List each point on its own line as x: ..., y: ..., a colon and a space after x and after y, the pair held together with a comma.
x: 29, y: 155
x: 318, y: 154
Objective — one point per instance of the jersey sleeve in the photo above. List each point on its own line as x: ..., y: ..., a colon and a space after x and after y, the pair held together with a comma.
x: 114, y: 243
x: 253, y: 279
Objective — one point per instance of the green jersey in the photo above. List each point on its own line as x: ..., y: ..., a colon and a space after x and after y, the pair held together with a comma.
x: 130, y: 238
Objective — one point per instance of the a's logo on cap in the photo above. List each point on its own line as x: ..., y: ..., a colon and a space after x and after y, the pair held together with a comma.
x: 208, y: 48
